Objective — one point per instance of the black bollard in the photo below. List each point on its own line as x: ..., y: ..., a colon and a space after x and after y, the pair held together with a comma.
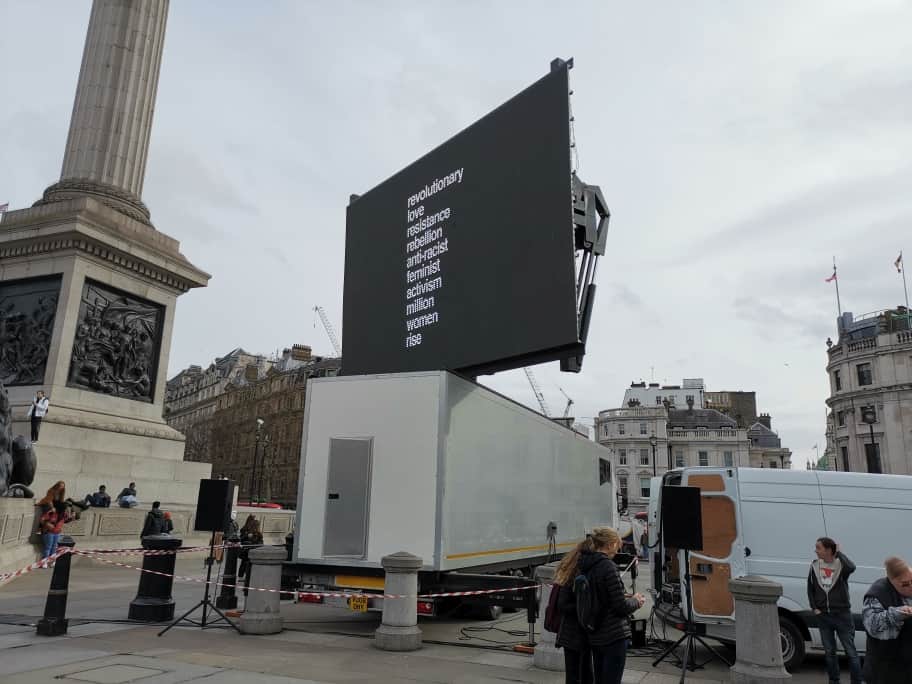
x: 227, y: 599
x: 289, y: 546
x: 153, y: 602
x: 54, y: 622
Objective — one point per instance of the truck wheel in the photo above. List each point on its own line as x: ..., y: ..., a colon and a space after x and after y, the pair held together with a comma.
x: 792, y: 641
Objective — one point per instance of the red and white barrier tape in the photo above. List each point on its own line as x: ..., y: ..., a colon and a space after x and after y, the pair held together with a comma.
x: 37, y: 565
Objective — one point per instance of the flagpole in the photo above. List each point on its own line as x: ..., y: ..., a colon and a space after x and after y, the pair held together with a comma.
x: 902, y: 265
x: 836, y: 278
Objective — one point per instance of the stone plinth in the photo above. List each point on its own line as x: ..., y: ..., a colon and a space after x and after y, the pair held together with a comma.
x: 261, y: 609
x: 758, y: 650
x: 547, y: 656
x: 399, y: 629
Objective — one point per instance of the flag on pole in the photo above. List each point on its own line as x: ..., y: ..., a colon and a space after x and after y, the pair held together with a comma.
x: 898, y: 263
x: 832, y: 277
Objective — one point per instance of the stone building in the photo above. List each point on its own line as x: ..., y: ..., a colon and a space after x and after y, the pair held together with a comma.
x: 742, y: 406
x: 262, y: 461
x: 870, y: 372
x: 654, y: 394
x: 647, y: 441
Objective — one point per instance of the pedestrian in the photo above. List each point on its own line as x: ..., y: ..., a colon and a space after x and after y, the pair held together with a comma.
x: 251, y: 537
x: 100, y: 499
x: 54, y: 514
x: 127, y: 497
x: 154, y: 522
x: 37, y: 411
x: 828, y: 596
x: 609, y: 640
x: 887, y: 618
x: 167, y: 524
x: 644, y: 543
x: 571, y: 636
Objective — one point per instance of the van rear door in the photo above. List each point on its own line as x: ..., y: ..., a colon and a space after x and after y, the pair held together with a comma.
x: 722, y: 556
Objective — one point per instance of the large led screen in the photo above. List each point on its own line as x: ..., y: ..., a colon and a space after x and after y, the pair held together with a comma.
x: 463, y: 261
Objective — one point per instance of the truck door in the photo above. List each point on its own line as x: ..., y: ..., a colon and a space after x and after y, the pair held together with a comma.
x: 347, y: 498
x: 722, y: 555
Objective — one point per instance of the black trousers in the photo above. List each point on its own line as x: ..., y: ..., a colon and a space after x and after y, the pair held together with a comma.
x: 578, y: 665
x: 36, y: 427
x: 608, y: 662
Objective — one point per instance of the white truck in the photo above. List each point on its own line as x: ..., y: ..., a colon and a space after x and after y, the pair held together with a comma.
x: 430, y: 463
x: 766, y: 522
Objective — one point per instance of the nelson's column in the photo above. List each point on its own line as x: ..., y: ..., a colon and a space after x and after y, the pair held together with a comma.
x: 88, y: 286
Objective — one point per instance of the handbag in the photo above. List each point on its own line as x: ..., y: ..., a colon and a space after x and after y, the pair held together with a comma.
x: 552, y: 614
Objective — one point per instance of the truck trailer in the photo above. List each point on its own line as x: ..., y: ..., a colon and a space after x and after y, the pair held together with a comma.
x: 481, y: 488
x: 765, y: 521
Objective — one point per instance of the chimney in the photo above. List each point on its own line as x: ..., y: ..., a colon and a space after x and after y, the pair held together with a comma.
x: 764, y: 419
x: 251, y: 372
x: 300, y: 352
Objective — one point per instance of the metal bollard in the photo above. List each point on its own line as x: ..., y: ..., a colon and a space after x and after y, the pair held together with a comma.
x: 153, y: 602
x: 227, y: 598
x: 54, y: 622
x: 399, y: 629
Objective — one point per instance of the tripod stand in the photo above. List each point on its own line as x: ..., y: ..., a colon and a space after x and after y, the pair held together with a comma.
x: 205, y: 602
x: 691, y: 636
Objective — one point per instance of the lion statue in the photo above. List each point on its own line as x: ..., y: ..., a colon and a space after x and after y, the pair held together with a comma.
x: 17, y: 457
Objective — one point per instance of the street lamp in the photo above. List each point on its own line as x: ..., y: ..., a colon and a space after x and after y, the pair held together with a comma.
x: 256, y: 452
x: 652, y: 442
x: 869, y: 416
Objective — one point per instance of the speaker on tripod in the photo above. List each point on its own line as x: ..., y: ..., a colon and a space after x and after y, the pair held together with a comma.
x: 213, y: 510
x: 682, y: 529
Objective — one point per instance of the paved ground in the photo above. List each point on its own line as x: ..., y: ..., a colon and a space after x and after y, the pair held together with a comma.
x: 319, y: 645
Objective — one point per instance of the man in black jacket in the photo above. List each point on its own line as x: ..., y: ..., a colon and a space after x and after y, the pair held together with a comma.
x: 828, y: 595
x: 155, y: 521
x: 888, y: 621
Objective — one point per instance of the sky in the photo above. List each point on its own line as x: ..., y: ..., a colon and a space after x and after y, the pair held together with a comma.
x: 740, y: 147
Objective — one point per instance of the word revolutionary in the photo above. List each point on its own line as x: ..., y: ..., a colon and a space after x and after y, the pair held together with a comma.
x: 438, y: 185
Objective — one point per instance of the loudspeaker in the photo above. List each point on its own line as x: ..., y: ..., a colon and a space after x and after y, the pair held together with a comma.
x: 682, y: 518
x: 213, y: 507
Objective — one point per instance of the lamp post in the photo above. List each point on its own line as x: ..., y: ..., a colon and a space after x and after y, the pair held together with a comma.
x: 263, y: 453
x: 869, y: 416
x: 256, y: 452
x: 652, y: 442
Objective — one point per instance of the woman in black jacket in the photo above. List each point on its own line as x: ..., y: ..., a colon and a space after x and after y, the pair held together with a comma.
x: 571, y: 636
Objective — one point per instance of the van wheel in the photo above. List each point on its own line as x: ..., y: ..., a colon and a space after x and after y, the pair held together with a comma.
x: 792, y: 641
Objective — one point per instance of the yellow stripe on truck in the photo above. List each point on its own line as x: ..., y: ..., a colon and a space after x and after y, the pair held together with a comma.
x: 517, y: 549
x: 356, y: 582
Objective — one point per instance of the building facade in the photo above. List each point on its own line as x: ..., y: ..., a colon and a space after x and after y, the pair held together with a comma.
x: 766, y: 450
x: 870, y: 373
x: 676, y: 396
x: 742, y: 406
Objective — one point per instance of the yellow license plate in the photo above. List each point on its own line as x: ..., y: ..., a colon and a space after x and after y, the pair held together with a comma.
x: 358, y: 603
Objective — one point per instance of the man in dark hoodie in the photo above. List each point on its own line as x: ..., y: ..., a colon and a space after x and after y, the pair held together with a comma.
x: 155, y: 521
x: 828, y: 595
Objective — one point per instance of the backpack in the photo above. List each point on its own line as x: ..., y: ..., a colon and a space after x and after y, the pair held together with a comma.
x: 552, y: 614
x: 586, y: 603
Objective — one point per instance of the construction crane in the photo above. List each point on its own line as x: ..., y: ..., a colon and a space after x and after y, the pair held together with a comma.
x: 569, y: 402
x: 330, y: 332
x: 537, y: 391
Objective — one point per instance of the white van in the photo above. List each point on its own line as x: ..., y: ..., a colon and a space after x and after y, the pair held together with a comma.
x: 766, y: 522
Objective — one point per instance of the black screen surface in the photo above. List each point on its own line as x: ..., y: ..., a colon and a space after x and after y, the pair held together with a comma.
x: 464, y: 260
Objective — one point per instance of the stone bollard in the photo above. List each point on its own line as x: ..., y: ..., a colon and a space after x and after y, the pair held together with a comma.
x: 227, y: 598
x: 398, y: 630
x: 546, y: 656
x: 153, y: 602
x: 261, y: 609
x: 758, y: 649
x: 54, y: 622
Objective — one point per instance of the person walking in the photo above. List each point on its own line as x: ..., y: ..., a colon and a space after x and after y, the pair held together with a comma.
x: 54, y: 514
x: 37, y: 411
x: 887, y: 617
x: 571, y: 636
x: 828, y: 596
x: 612, y: 629
x: 154, y: 522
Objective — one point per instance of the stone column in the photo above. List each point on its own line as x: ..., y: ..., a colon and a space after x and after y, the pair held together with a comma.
x: 261, y: 609
x: 399, y: 629
x: 547, y: 656
x: 759, y: 652
x: 108, y: 142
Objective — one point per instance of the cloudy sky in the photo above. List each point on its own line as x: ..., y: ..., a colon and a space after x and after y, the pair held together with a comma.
x: 740, y: 147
